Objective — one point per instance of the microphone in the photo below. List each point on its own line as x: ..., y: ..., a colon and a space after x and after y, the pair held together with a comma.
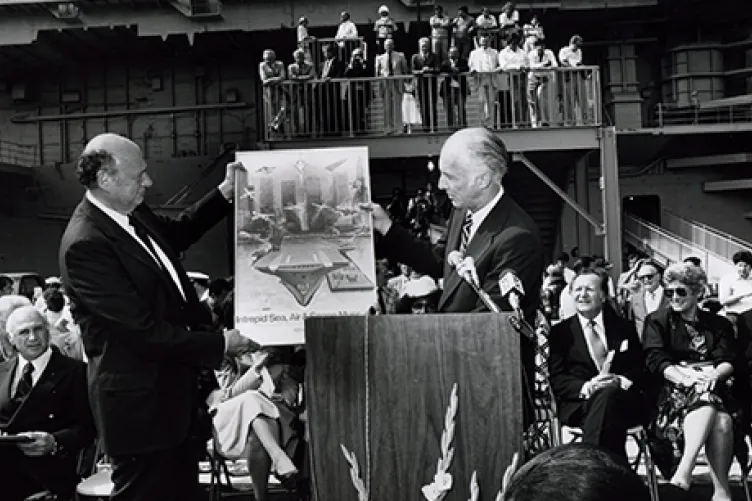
x: 511, y: 288
x: 465, y: 267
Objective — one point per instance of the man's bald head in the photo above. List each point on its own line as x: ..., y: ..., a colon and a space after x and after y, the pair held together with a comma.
x: 113, y: 167
x: 478, y: 147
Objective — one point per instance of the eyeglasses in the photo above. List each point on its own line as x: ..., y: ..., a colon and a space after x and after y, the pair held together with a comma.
x: 679, y: 292
x: 646, y: 277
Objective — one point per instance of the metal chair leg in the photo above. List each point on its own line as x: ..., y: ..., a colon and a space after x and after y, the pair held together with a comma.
x: 745, y: 483
x: 642, y: 441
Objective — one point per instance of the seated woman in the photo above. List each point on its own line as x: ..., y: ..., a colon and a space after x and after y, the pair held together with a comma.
x: 419, y: 296
x: 691, y: 350
x: 256, y: 414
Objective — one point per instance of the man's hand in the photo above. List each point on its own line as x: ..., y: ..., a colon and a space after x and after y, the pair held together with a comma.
x: 237, y: 344
x: 381, y: 220
x: 603, y: 381
x: 42, y: 443
x: 227, y: 187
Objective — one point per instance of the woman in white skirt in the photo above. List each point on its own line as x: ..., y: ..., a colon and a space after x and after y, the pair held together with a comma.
x: 255, y: 415
x: 410, y: 111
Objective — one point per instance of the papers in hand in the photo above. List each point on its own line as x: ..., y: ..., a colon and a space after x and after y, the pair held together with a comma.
x: 606, y: 368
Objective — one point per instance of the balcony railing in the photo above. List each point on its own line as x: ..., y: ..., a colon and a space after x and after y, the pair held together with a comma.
x: 705, y: 236
x: 670, y: 248
x: 436, y: 103
x: 314, y: 48
x: 667, y: 115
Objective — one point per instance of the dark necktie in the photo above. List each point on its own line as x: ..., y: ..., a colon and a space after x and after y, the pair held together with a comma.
x: 467, y: 224
x: 143, y: 234
x: 19, y: 397
x: 389, y: 63
x: 596, y: 345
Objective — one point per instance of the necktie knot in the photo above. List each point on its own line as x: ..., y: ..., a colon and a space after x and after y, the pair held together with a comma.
x: 28, y: 369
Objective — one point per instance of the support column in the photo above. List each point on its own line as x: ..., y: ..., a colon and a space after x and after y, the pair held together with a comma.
x: 582, y: 195
x: 611, y: 199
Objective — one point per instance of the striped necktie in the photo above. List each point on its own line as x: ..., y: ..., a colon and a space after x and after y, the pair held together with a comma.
x: 467, y: 224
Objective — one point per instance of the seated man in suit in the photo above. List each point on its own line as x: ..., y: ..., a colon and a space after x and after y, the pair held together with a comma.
x: 43, y: 397
x: 597, y: 367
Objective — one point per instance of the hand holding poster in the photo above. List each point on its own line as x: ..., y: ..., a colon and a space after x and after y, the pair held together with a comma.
x: 304, y: 245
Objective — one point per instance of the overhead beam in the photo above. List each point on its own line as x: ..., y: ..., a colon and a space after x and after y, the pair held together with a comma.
x: 708, y: 160
x: 733, y: 185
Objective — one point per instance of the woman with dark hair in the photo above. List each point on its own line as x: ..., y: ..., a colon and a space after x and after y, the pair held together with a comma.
x: 575, y: 472
x: 691, y: 351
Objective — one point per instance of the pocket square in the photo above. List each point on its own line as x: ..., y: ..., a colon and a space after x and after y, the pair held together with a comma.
x: 624, y: 346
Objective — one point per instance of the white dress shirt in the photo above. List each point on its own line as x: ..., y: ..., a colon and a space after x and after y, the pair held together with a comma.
x: 483, y: 60
x: 481, y: 214
x: 570, y: 57
x: 347, y: 29
x: 600, y: 331
x: 39, y: 363
x: 734, y: 285
x: 653, y: 299
x: 512, y: 59
x: 161, y: 258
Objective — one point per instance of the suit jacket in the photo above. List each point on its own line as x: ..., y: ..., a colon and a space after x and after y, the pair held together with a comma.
x: 334, y: 69
x: 399, y: 65
x: 58, y: 403
x: 145, y: 342
x: 456, y: 74
x: 431, y: 60
x: 508, y: 239
x: 638, y: 311
x: 571, y: 366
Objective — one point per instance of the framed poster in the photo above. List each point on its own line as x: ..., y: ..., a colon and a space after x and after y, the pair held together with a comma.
x: 303, y: 244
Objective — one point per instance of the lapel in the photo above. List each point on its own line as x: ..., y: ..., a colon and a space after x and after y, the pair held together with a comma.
x: 480, y: 245
x: 39, y: 395
x: 125, y: 241
x: 7, y: 369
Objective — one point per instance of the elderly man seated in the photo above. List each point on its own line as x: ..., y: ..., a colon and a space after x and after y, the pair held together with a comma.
x: 257, y: 414
x: 44, y: 413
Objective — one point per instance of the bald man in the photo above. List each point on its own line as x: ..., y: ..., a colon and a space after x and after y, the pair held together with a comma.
x: 8, y: 304
x: 146, y: 336
x: 42, y: 397
x: 498, y: 234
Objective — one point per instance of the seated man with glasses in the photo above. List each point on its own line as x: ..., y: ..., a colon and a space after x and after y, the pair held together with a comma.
x: 649, y: 297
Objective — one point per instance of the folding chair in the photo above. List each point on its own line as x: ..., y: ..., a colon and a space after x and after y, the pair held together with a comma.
x: 640, y: 436
x: 218, y: 467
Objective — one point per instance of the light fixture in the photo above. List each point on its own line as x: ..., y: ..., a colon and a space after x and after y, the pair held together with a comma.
x: 431, y: 166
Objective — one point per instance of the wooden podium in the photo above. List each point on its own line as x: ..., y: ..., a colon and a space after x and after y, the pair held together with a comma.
x: 380, y: 387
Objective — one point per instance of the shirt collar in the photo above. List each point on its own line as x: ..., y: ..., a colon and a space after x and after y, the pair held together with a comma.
x: 480, y: 215
x: 39, y: 363
x: 119, y: 218
x: 584, y: 322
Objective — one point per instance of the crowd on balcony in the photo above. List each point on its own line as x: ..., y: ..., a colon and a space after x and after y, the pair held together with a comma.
x: 504, y: 67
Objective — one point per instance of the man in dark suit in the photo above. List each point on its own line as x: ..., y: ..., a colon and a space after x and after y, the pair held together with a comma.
x: 42, y: 397
x: 597, y: 367
x: 425, y: 65
x: 486, y: 224
x: 144, y: 331
x: 454, y: 89
x: 330, y: 93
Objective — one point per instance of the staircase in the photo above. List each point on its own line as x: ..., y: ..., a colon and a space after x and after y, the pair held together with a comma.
x: 667, y: 247
x: 709, y: 238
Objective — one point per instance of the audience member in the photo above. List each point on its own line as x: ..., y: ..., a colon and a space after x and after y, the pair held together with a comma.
x: 391, y: 64
x: 329, y: 99
x: 421, y: 295
x: 454, y: 89
x: 425, y: 65
x: 385, y: 28
x: 486, y: 26
x: 6, y: 285
x: 441, y: 25
x: 692, y: 352
x: 8, y: 304
x: 44, y: 400
x: 513, y: 62
x: 735, y: 294
x: 272, y: 74
x: 304, y: 39
x: 570, y: 56
x: 649, y: 297
x: 63, y: 331
x: 463, y: 32
x: 532, y: 33
x: 301, y: 97
x: 575, y: 472
x: 483, y: 64
x: 597, y: 367
x: 346, y: 37
x: 358, y: 91
x: 540, y: 94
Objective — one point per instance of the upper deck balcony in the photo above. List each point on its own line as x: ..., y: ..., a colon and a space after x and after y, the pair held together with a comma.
x: 551, y: 109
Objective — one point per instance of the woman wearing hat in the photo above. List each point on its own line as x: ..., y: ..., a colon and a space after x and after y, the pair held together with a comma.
x: 385, y: 27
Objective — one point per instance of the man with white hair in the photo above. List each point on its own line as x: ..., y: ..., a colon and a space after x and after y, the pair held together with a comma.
x: 53, y: 422
x: 7, y: 305
x: 150, y: 345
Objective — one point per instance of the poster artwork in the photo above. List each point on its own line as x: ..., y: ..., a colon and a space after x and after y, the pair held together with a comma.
x: 304, y: 246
